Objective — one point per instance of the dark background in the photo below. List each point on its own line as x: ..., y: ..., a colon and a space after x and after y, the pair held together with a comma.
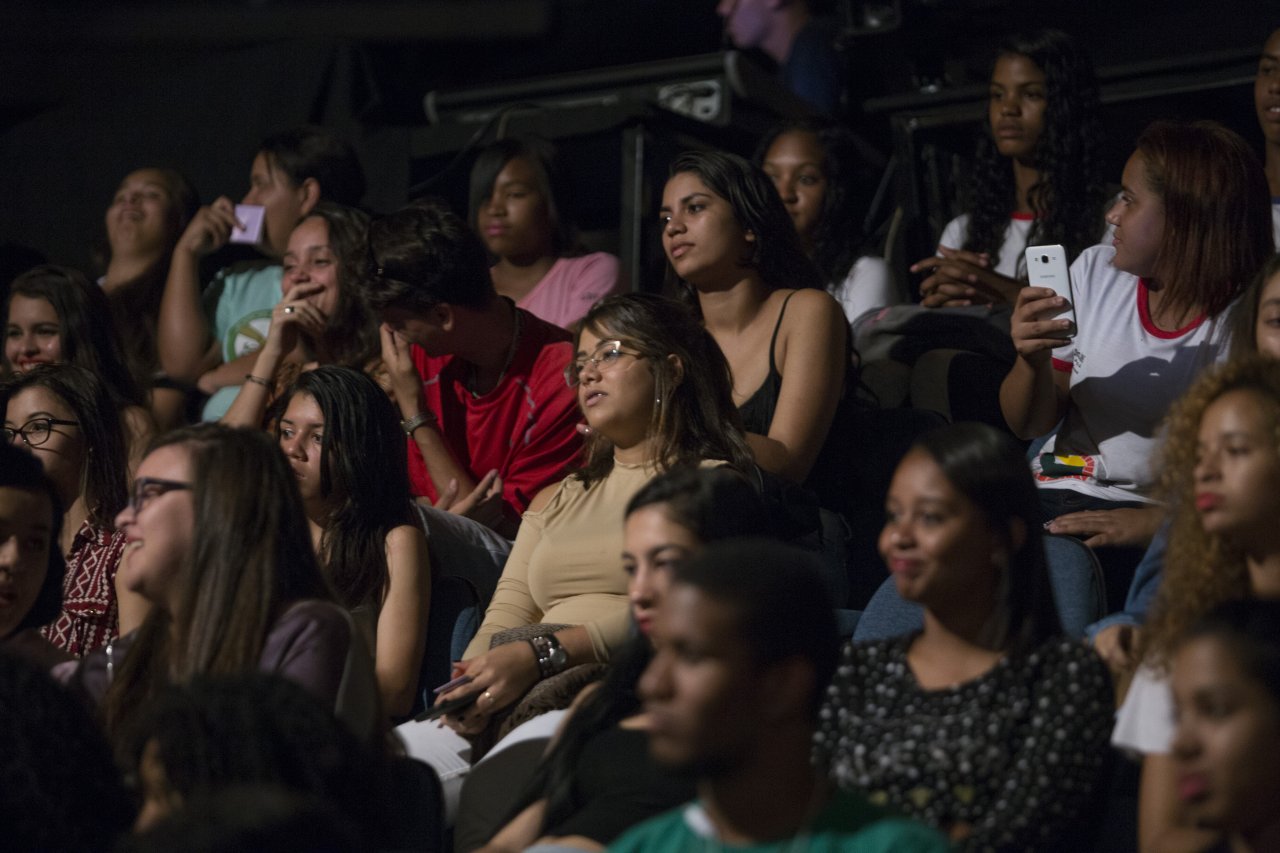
x: 93, y: 90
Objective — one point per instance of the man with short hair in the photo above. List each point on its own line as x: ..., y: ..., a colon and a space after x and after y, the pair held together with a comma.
x: 480, y: 383
x: 745, y: 643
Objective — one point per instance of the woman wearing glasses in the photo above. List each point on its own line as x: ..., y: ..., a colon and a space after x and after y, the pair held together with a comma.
x: 655, y: 392
x: 62, y: 415
x: 218, y: 543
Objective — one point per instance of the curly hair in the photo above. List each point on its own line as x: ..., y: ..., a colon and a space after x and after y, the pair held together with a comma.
x: 1201, y: 570
x: 838, y: 238
x: 1067, y: 200
x: 694, y: 418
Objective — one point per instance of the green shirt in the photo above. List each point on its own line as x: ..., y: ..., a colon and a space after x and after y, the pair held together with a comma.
x: 848, y: 824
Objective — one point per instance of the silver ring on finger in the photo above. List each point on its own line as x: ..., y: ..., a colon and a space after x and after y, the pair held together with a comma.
x: 288, y: 309
x: 488, y: 696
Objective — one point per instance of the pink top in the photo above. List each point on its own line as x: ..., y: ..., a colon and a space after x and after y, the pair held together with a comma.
x: 571, y: 287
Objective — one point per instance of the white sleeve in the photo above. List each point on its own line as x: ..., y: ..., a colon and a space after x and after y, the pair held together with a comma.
x: 956, y: 232
x: 868, y: 285
x: 1144, y: 723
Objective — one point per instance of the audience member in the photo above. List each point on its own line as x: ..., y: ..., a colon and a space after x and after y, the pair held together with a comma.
x: 655, y: 391
x: 1220, y: 470
x: 211, y: 339
x: 1255, y: 330
x: 339, y: 433
x: 215, y: 732
x: 479, y: 382
x: 1266, y: 100
x: 150, y: 210
x: 59, y: 788
x: 989, y: 724
x: 520, y: 208
x: 1226, y: 688
x: 1037, y: 176
x: 598, y: 779
x: 745, y: 643
x: 826, y: 185
x: 801, y: 44
x: 1149, y: 314
x: 63, y: 416
x: 732, y: 248
x: 55, y: 316
x: 321, y: 317
x: 31, y: 592
x: 219, y: 546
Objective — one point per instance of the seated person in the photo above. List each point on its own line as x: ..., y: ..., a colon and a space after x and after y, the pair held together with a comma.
x: 62, y: 415
x: 30, y: 517
x: 54, y: 316
x: 479, y: 382
x: 210, y: 339
x: 520, y: 208
x: 598, y: 779
x: 818, y: 171
x: 1226, y: 689
x: 148, y: 213
x: 1150, y: 313
x: 989, y: 724
x: 321, y: 317
x: 1266, y: 100
x: 744, y: 644
x: 1221, y: 475
x: 655, y: 392
x: 220, y: 547
x: 1037, y: 174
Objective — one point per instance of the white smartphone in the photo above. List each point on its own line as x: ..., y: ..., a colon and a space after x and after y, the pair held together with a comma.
x: 252, y: 215
x: 1047, y: 267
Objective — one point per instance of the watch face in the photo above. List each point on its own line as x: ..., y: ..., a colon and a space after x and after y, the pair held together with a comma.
x: 559, y: 657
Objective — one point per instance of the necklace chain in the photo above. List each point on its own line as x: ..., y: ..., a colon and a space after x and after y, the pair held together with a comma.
x: 506, y: 364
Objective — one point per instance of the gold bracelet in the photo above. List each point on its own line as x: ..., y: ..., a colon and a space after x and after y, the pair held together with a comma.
x: 257, y: 380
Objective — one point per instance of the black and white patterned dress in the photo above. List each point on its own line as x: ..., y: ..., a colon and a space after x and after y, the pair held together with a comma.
x: 1015, y: 753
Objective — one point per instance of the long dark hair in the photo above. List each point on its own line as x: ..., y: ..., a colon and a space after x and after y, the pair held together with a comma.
x: 776, y: 253
x: 351, y: 334
x: 21, y: 470
x: 1068, y: 199
x: 990, y: 469
x: 839, y: 237
x: 694, y: 418
x: 106, y: 482
x: 363, y: 468
x: 251, y: 557
x: 713, y: 504
x: 86, y: 340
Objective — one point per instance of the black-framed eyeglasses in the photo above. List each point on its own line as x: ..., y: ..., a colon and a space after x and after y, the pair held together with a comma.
x: 603, y: 358
x: 36, y: 431
x: 145, y: 489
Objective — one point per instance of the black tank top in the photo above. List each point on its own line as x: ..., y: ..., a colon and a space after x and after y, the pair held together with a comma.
x: 757, y: 412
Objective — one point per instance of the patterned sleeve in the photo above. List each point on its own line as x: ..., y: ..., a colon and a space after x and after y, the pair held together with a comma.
x: 841, y: 696
x: 1058, y: 757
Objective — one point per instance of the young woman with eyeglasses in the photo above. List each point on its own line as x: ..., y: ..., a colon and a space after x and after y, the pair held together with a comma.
x: 655, y: 392
x: 63, y: 415
x: 218, y: 543
x: 54, y: 315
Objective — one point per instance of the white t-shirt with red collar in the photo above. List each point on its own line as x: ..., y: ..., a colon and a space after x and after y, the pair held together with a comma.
x: 1125, y: 373
x: 1011, y: 264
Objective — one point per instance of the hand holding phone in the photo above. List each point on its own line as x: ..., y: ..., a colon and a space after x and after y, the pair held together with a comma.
x: 251, y: 216
x: 1047, y: 267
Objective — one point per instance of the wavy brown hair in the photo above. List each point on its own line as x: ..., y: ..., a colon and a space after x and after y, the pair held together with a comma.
x: 251, y: 557
x: 1201, y: 570
x: 694, y: 418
